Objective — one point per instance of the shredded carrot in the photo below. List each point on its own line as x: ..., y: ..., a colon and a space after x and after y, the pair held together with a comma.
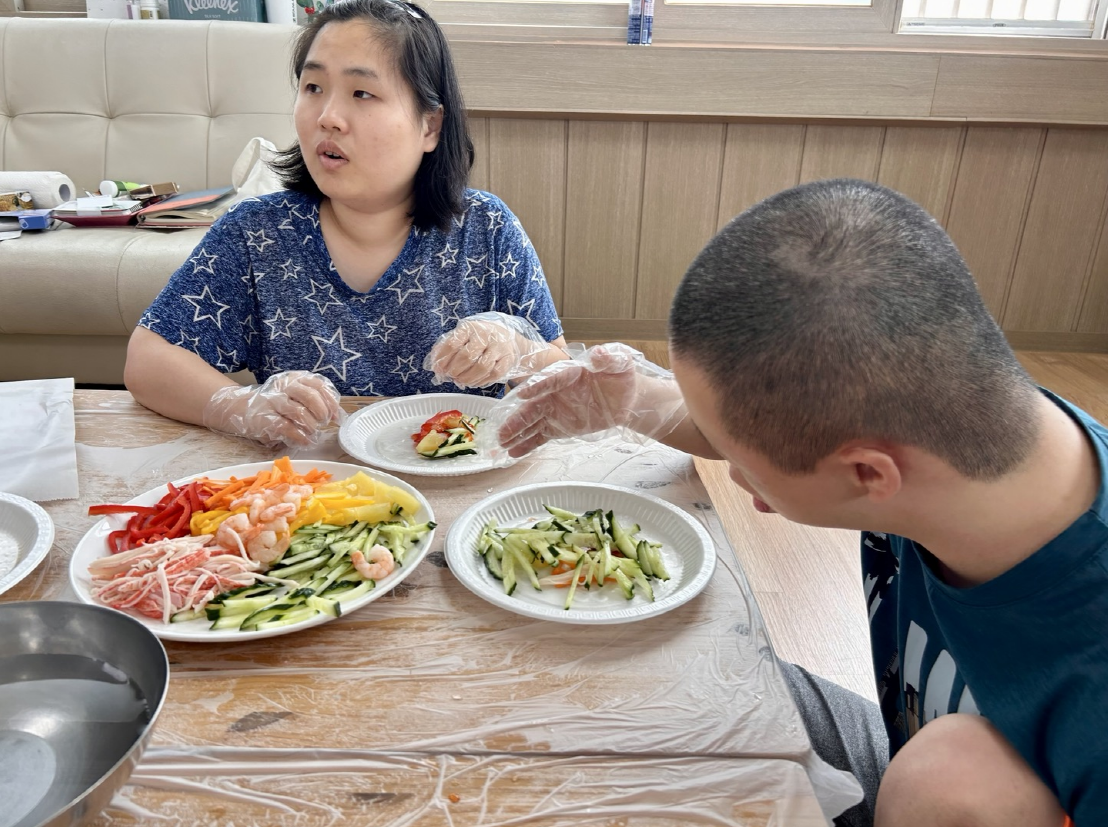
x: 282, y: 472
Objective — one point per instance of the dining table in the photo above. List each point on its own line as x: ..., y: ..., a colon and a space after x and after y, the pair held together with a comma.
x: 431, y: 705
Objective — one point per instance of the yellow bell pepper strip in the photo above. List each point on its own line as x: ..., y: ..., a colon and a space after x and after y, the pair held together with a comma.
x: 357, y: 498
x: 207, y: 522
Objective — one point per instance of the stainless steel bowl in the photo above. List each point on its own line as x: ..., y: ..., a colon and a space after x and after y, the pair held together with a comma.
x: 80, y: 689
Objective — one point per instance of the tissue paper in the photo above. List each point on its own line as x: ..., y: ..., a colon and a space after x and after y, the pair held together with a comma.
x: 38, y: 451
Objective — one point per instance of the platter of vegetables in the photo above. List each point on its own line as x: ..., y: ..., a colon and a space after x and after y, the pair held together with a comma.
x: 432, y: 434
x: 255, y: 550
x: 584, y: 553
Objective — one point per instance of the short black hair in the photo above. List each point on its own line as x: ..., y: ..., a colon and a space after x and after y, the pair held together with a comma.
x: 841, y: 310
x: 423, y: 59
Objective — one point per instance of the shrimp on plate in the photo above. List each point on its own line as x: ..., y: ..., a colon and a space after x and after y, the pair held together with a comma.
x: 380, y: 563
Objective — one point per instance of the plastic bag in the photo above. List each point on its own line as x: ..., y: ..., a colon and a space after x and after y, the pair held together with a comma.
x: 251, y: 175
x: 605, y: 389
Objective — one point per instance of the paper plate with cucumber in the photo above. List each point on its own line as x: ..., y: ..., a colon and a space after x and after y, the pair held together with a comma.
x: 580, y: 552
x: 429, y: 435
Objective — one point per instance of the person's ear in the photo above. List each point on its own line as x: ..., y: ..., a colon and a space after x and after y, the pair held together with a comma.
x: 875, y: 473
x: 432, y: 129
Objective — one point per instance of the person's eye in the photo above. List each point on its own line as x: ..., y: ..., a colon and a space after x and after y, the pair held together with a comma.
x: 312, y: 88
x: 364, y: 95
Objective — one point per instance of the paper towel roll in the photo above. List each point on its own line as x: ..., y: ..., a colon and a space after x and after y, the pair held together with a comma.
x: 280, y: 11
x: 48, y: 189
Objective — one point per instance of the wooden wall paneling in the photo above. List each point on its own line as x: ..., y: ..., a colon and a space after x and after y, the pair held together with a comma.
x: 1012, y: 88
x: 680, y: 201
x: 771, y: 82
x: 603, y: 207
x: 921, y: 162
x: 758, y: 161
x: 841, y: 152
x: 479, y: 132
x: 1094, y: 308
x: 527, y: 169
x: 990, y: 201
x: 1061, y: 231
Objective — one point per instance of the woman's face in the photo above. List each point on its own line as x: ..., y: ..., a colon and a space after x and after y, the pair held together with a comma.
x: 359, y: 130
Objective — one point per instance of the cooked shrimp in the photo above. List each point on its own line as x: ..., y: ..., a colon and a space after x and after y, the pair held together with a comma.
x: 230, y: 531
x: 380, y: 563
x: 288, y: 497
x: 265, y: 546
x: 261, y: 541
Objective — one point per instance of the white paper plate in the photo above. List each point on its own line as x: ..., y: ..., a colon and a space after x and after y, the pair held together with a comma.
x: 26, y: 535
x: 687, y: 550
x: 381, y: 434
x: 94, y: 545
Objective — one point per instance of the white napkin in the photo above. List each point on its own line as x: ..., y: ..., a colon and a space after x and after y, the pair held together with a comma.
x: 38, y: 455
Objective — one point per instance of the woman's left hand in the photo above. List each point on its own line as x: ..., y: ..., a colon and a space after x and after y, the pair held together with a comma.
x: 489, y: 349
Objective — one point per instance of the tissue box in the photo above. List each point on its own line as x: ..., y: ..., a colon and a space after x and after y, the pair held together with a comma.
x: 252, y: 11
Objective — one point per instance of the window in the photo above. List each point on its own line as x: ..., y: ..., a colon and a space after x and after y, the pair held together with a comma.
x: 1059, y: 18
x: 769, y: 3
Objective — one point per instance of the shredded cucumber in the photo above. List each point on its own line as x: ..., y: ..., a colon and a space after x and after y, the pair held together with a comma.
x: 318, y: 560
x: 588, y: 550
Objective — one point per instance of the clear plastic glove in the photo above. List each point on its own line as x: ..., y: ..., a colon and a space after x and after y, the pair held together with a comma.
x: 487, y: 349
x: 291, y: 408
x: 608, y: 388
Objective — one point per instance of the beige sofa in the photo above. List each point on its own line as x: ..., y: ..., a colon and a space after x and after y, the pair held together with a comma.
x: 143, y: 101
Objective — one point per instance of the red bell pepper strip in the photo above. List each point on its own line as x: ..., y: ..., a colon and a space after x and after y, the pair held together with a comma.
x: 102, y: 510
x: 169, y: 518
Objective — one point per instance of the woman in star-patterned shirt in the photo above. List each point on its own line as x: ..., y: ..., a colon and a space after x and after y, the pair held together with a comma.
x: 374, y: 251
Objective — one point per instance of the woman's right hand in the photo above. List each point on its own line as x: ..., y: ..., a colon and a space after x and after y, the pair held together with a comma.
x: 291, y: 408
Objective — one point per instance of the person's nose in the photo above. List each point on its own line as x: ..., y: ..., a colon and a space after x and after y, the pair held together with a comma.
x: 737, y: 478
x: 332, y: 115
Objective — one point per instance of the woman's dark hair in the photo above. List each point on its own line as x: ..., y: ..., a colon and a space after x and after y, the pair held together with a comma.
x: 423, y: 58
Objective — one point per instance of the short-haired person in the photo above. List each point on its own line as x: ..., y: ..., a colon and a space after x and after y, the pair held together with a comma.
x: 830, y: 344
x: 343, y: 282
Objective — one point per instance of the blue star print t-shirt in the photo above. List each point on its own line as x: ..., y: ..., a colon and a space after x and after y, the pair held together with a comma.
x: 260, y: 292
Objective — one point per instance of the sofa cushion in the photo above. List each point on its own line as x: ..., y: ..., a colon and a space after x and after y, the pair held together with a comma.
x: 174, y: 101
x: 86, y: 281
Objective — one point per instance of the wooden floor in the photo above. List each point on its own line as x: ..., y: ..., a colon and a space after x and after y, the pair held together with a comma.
x: 807, y: 580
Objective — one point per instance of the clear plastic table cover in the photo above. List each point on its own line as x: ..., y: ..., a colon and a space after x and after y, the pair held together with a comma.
x: 431, y: 706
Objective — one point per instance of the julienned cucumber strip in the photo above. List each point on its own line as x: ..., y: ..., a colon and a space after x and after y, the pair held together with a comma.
x: 589, y: 550
x: 319, y: 559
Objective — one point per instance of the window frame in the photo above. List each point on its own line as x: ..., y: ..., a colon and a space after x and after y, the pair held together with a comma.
x: 711, y: 24
x: 1012, y: 28
x: 674, y: 23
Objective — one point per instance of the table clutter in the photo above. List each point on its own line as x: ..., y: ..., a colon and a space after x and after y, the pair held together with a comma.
x: 39, y: 200
x: 436, y: 703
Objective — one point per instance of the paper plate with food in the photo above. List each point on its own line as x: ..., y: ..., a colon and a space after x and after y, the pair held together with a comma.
x: 580, y: 553
x: 252, y: 551
x: 433, y: 434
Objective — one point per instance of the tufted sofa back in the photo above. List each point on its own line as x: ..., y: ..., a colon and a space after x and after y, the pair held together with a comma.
x: 140, y: 100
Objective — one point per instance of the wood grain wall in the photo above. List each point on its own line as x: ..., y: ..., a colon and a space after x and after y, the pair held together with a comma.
x: 618, y: 209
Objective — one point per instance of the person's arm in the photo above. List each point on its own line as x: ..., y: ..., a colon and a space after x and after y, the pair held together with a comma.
x: 196, y: 332
x: 608, y: 387
x: 168, y: 379
x: 492, y: 349
x: 290, y: 408
x: 684, y: 436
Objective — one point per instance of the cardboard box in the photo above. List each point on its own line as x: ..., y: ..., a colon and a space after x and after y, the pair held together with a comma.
x: 252, y: 11
x: 35, y: 219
